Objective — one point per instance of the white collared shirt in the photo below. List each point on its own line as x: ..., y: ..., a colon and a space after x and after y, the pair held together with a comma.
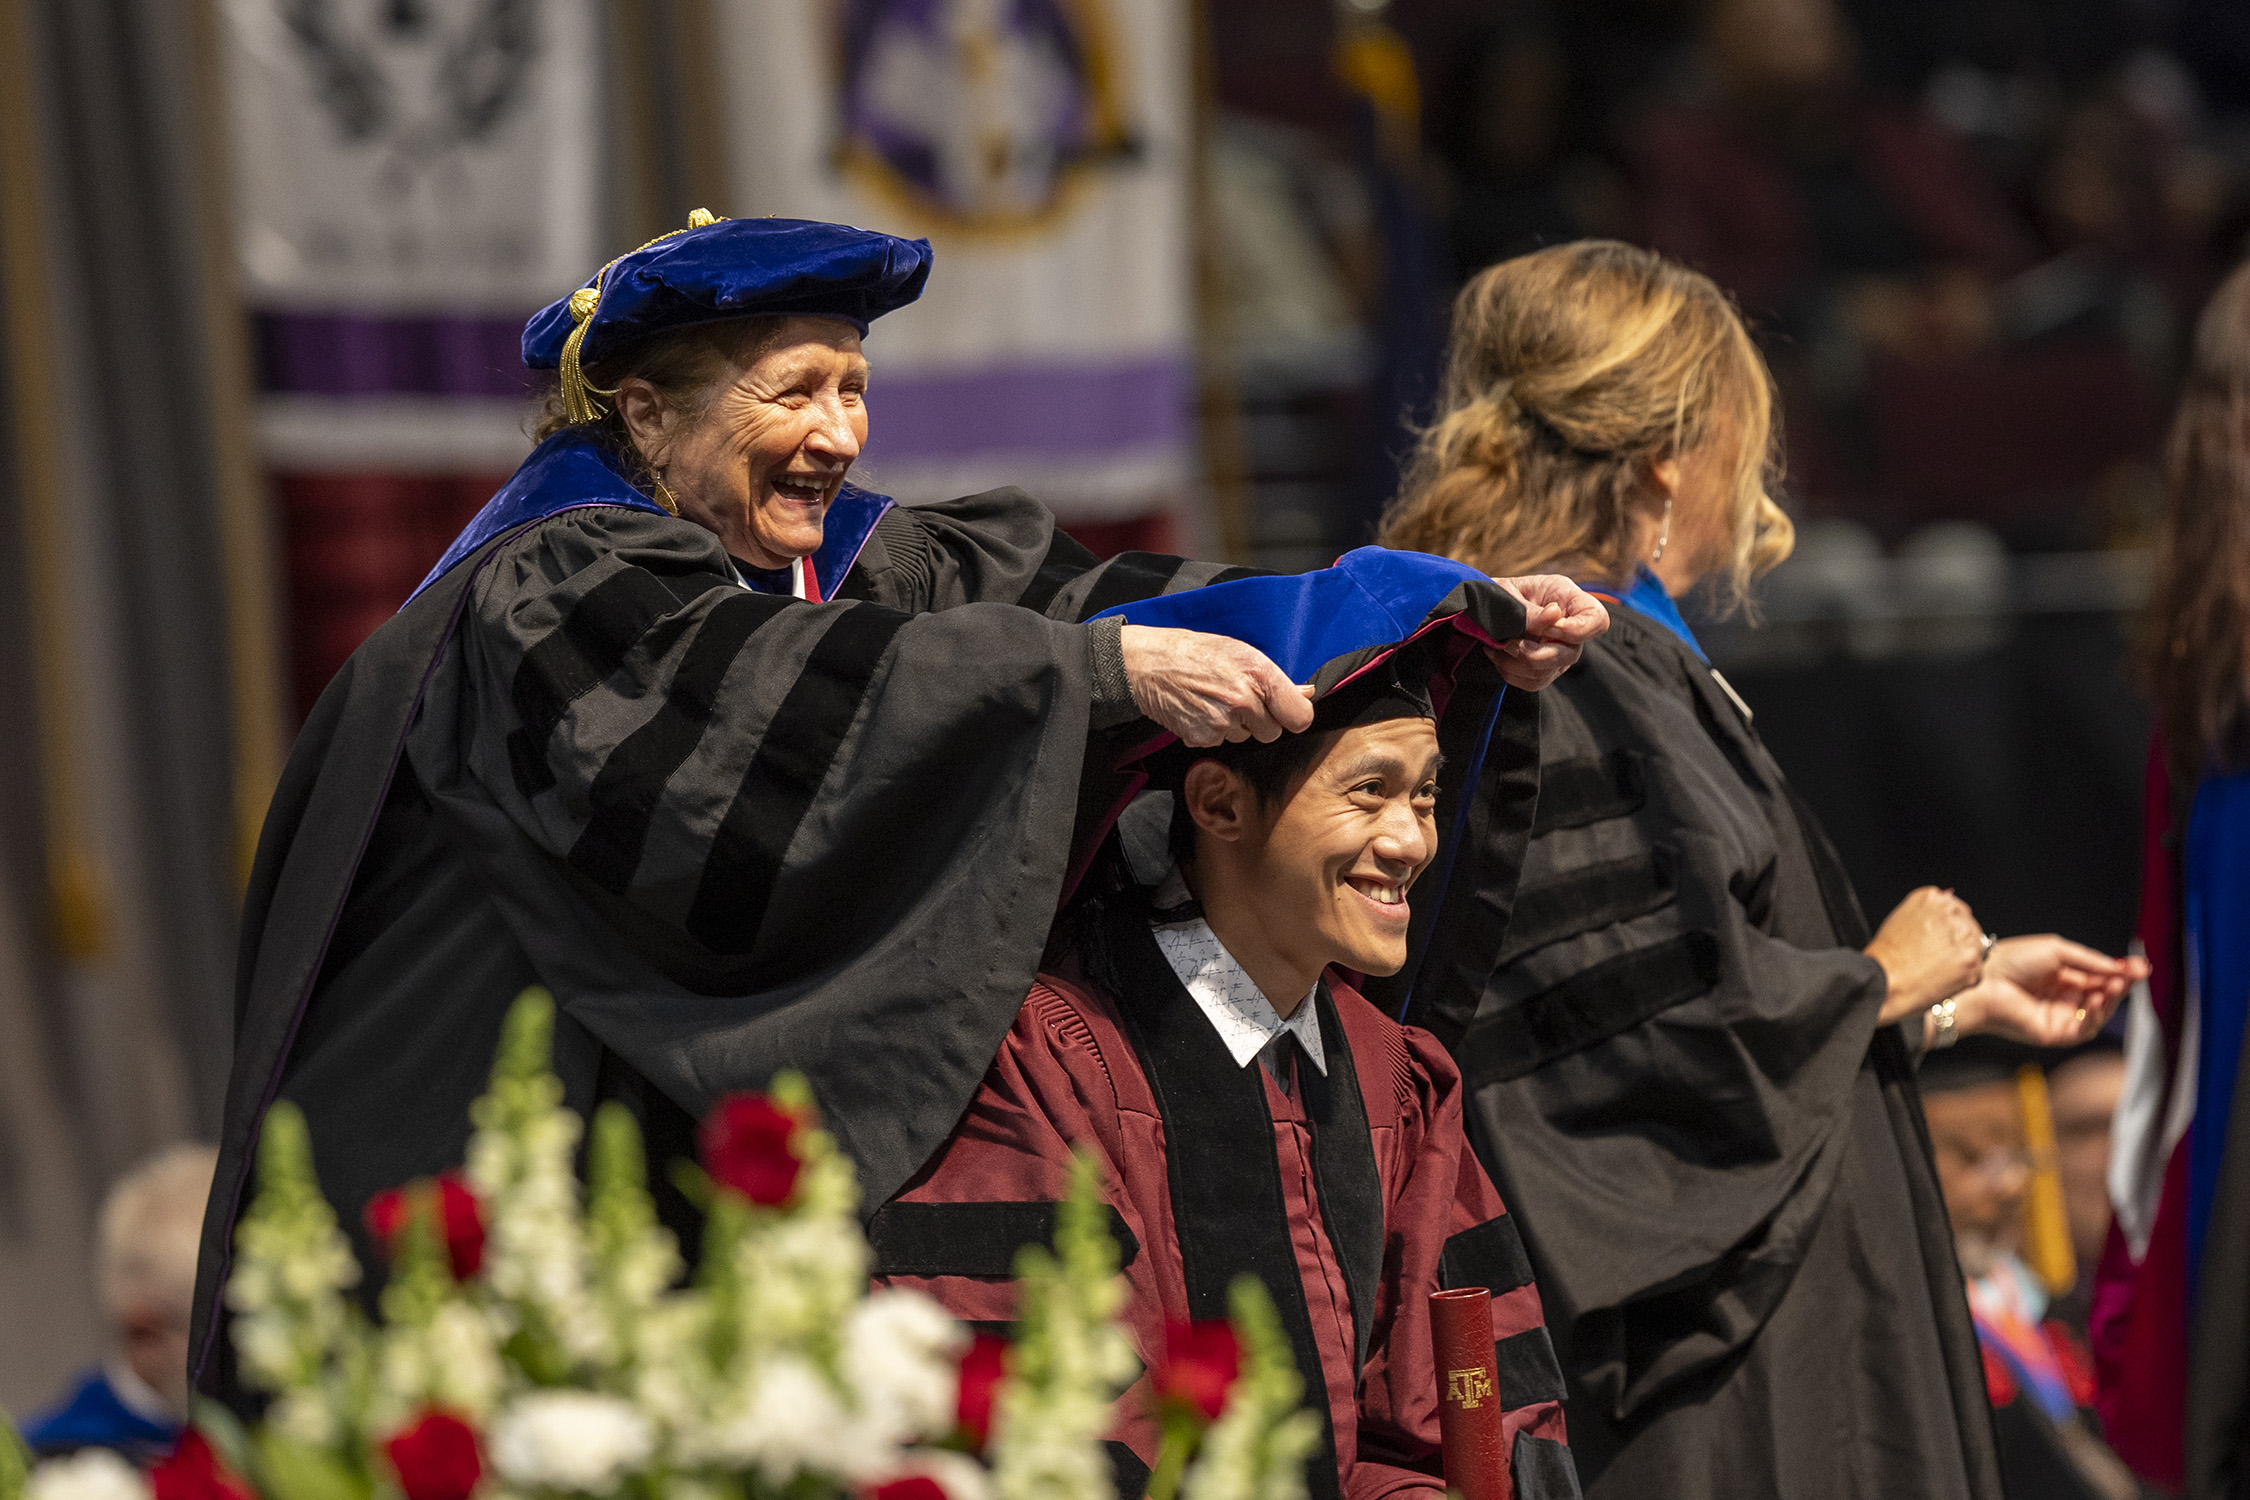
x: 1239, y: 1011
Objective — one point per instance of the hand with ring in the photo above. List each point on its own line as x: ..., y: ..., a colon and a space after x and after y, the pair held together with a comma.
x: 2046, y: 990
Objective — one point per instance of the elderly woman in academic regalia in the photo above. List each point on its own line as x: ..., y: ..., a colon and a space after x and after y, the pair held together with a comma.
x: 751, y: 768
x: 747, y: 765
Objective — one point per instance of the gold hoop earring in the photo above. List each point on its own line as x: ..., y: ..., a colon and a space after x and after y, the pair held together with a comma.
x: 1664, y: 536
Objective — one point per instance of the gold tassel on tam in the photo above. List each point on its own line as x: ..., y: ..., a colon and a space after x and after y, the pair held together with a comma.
x: 2046, y: 1227
x: 578, y: 395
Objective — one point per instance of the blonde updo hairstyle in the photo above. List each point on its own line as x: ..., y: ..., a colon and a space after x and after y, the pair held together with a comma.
x: 1570, y: 371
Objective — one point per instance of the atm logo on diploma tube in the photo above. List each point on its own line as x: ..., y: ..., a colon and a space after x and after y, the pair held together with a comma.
x: 1468, y: 1389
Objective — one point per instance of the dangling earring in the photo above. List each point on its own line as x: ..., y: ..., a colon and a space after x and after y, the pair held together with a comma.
x: 1663, y: 536
x: 664, y: 498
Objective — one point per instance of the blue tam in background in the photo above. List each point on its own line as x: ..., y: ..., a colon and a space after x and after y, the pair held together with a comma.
x: 735, y: 268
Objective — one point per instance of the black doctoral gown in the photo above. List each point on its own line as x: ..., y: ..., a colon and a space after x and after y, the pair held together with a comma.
x: 1718, y: 1161
x: 733, y: 832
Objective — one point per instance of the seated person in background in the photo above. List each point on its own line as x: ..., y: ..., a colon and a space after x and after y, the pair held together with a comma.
x: 1202, y: 1037
x: 144, y: 1262
x: 2038, y: 1375
x: 2085, y: 1083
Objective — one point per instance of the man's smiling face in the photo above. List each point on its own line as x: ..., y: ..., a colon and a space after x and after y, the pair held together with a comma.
x: 1339, y: 853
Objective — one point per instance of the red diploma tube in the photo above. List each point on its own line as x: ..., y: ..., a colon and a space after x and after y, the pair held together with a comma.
x: 1476, y: 1463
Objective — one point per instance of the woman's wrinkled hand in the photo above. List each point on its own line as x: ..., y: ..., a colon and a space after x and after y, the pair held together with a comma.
x: 1931, y: 949
x: 1211, y: 689
x: 1559, y: 618
x: 2046, y: 990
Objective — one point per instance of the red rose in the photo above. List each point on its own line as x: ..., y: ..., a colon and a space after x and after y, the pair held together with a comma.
x: 910, y: 1487
x: 436, y: 1458
x: 193, y: 1472
x: 981, y: 1368
x: 1201, y: 1362
x: 746, y: 1147
x: 460, y: 1216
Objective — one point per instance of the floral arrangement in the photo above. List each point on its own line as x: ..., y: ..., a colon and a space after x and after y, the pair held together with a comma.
x: 537, y: 1342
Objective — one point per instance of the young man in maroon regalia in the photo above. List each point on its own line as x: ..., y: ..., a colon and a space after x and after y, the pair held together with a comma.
x: 1198, y: 1031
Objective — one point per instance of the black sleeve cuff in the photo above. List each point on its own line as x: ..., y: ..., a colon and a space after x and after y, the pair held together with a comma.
x: 1113, y: 695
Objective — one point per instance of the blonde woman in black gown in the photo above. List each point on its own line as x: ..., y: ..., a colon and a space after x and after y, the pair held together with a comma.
x: 1693, y: 1063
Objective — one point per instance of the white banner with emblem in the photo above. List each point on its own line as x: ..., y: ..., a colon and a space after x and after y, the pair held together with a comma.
x: 411, y: 179
x: 1043, y: 146
x: 413, y: 155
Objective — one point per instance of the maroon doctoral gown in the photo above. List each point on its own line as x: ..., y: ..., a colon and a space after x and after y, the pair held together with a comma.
x: 1351, y: 1195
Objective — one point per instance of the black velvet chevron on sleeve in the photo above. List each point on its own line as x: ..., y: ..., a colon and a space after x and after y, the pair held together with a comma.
x: 1589, y: 1007
x: 1490, y: 1255
x: 1528, y: 1371
x: 1066, y: 559
x: 970, y: 1239
x: 622, y: 801
x: 1543, y: 1469
x: 791, y: 763
x: 1578, y: 792
x: 575, y: 658
x: 1589, y: 899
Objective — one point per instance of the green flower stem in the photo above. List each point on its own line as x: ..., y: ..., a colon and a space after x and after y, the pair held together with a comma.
x: 1183, y: 1431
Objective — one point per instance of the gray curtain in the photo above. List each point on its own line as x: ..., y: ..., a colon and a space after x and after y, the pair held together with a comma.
x: 121, y: 1053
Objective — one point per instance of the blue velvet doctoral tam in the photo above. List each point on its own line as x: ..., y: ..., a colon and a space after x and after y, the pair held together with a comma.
x: 737, y: 268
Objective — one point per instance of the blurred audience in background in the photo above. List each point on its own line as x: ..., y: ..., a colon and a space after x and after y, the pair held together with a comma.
x: 1514, y: 127
x: 2083, y: 1087
x: 1970, y: 239
x: 2036, y: 1368
x: 1970, y: 236
x: 144, y: 1270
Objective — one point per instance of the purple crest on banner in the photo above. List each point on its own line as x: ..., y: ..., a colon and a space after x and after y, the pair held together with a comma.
x: 978, y: 113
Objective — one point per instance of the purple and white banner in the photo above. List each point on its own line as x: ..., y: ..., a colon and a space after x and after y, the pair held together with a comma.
x: 433, y: 155
x: 1043, y: 146
x: 411, y: 180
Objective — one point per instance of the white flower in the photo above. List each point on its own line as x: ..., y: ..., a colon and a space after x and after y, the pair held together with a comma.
x: 569, y: 1440
x: 672, y: 1379
x: 791, y: 1421
x: 453, y: 1361
x: 535, y: 1247
x: 800, y: 1276
x: 89, y: 1474
x: 900, y: 1360
x: 304, y: 1416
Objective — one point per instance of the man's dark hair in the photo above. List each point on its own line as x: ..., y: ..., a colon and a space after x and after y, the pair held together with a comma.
x: 1270, y: 770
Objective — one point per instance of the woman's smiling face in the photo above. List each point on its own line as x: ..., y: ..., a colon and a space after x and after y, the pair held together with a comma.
x: 765, y: 456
